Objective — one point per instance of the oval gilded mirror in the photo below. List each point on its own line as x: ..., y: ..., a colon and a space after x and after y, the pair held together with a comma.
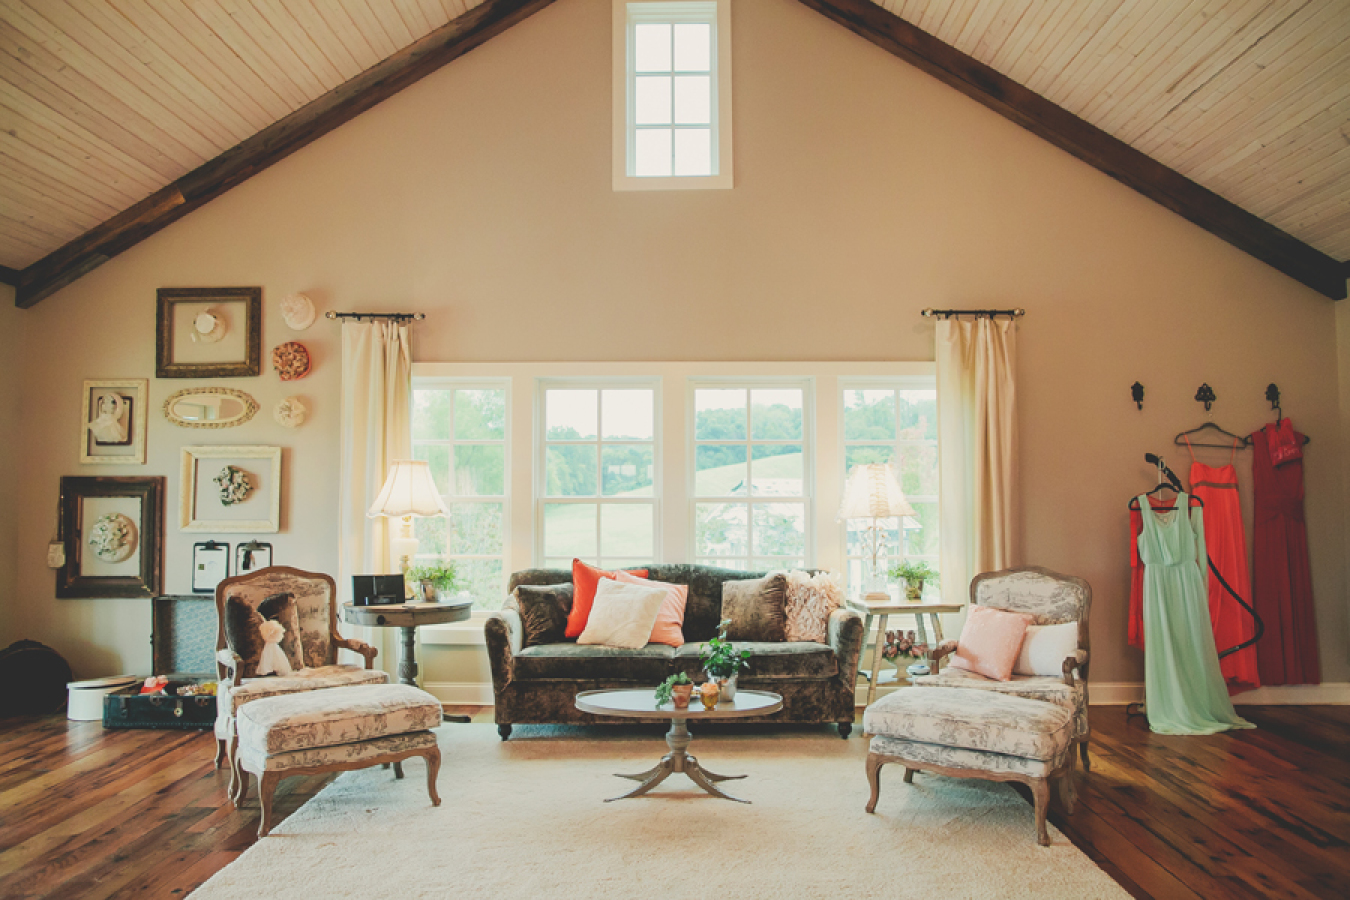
x: 210, y: 407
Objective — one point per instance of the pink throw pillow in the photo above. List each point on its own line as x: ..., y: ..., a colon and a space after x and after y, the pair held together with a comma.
x: 990, y: 642
x: 669, y: 620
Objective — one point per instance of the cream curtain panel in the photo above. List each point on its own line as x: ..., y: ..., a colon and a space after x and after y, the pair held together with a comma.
x: 376, y: 429
x: 977, y: 446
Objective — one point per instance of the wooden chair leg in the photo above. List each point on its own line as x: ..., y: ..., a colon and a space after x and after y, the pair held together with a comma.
x: 267, y: 785
x: 398, y: 769
x: 433, y: 757
x: 1041, y: 791
x: 1068, y: 793
x: 240, y: 793
x: 1083, y: 750
x: 874, y: 763
x: 909, y: 775
x: 220, y: 753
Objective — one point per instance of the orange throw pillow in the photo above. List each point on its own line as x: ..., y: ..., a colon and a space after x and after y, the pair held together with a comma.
x: 669, y: 620
x: 990, y: 641
x: 585, y: 579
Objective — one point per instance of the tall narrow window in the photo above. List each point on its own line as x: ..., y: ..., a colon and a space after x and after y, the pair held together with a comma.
x: 672, y: 98
x: 751, y: 485
x: 894, y: 424
x: 598, y: 457
x: 460, y: 429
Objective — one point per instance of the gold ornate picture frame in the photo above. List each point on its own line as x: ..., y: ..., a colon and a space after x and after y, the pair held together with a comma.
x: 186, y: 347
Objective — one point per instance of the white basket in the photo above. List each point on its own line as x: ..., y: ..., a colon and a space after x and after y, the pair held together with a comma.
x: 86, y: 697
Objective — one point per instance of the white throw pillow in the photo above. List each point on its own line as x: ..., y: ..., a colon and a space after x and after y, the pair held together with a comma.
x: 1045, y: 648
x: 623, y: 614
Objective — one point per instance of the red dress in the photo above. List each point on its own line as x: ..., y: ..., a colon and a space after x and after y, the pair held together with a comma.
x: 1281, y: 573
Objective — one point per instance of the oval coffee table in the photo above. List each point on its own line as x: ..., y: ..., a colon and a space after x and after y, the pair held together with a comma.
x: 640, y: 704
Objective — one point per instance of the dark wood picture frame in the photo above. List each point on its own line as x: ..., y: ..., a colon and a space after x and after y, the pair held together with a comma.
x: 250, y: 365
x: 149, y: 580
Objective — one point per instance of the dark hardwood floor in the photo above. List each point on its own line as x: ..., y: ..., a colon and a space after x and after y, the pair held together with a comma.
x: 88, y: 813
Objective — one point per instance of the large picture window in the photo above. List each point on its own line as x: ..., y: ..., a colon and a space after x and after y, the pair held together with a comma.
x: 751, y: 491
x: 462, y: 430
x: 599, y: 464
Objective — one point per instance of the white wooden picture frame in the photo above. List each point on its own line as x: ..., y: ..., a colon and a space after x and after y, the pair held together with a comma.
x: 200, y: 505
x: 116, y: 405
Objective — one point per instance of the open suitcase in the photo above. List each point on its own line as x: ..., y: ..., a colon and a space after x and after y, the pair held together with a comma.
x: 183, y: 641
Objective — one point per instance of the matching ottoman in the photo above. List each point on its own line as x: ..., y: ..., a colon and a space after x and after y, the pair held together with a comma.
x: 973, y: 734
x: 334, y: 730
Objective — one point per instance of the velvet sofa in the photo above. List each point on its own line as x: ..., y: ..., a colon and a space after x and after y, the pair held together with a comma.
x: 539, y: 683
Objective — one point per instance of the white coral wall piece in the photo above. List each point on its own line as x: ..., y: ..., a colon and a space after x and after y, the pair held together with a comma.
x: 290, y: 412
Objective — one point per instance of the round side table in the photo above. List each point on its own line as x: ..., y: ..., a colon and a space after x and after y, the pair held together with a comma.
x: 407, y: 618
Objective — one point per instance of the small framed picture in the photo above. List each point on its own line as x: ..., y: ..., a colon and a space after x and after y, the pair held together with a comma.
x: 112, y: 422
x: 210, y: 566
x: 230, y: 490
x: 208, y: 332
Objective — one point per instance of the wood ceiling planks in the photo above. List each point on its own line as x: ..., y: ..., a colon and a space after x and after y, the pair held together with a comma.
x: 102, y: 104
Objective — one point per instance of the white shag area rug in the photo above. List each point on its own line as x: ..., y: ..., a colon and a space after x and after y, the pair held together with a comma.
x: 526, y: 818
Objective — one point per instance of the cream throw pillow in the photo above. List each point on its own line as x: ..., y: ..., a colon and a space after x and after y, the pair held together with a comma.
x: 810, y: 601
x: 1045, y: 648
x: 623, y: 614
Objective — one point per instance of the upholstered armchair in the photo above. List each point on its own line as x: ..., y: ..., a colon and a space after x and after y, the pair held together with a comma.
x: 1050, y: 599
x: 316, y: 607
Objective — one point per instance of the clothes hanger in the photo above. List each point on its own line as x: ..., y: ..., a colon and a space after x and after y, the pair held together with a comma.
x: 1234, y: 440
x: 1167, y: 481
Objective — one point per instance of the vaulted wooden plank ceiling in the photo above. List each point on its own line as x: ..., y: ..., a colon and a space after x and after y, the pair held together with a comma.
x: 105, y: 102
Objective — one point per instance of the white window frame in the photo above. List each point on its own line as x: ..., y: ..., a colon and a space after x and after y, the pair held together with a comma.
x: 541, y: 442
x: 452, y: 383
x: 808, y: 442
x: 627, y: 14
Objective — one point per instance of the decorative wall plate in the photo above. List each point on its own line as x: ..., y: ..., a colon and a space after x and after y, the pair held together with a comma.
x: 289, y: 412
x: 113, y: 537
x: 291, y: 360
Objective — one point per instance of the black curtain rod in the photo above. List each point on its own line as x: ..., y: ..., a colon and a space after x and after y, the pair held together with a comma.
x: 358, y: 316
x: 947, y: 313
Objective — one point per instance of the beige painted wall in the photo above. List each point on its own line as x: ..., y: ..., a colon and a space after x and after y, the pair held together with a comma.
x: 865, y: 192
x: 12, y: 324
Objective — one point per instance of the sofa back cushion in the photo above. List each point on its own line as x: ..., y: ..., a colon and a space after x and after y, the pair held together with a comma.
x: 543, y: 612
x: 756, y: 608
x: 703, y: 610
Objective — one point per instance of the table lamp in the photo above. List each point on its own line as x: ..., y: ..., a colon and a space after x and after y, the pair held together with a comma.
x: 408, y: 491
x: 872, y: 492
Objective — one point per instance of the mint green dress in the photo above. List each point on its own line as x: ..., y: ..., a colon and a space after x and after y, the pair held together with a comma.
x: 1184, y: 689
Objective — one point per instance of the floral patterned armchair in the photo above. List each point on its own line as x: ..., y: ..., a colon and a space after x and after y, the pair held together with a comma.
x: 316, y: 604
x: 1050, y: 599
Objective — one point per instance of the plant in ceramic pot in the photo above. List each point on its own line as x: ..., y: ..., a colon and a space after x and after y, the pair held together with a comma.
x: 914, y: 575
x: 433, y: 579
x: 676, y: 689
x: 723, y: 661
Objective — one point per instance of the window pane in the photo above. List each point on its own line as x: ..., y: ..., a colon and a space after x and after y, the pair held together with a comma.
x: 918, y: 415
x: 651, y: 48
x: 768, y: 565
x: 626, y: 529
x: 867, y: 454
x: 476, y: 528
x: 720, y: 470
x: 693, y: 151
x: 480, y: 470
x: 438, y: 461
x: 923, y: 539
x: 869, y: 415
x: 780, y: 529
x: 776, y: 414
x: 651, y: 102
x: 480, y: 415
x: 651, y: 149
x: 740, y: 565
x: 431, y: 415
x: 570, y: 471
x: 572, y: 415
x: 721, y: 529
x: 627, y: 470
x: 569, y: 530
x: 776, y: 470
x: 918, y: 469
x: 888, y: 539
x: 628, y: 415
x: 719, y: 414
x: 693, y: 48
x: 693, y: 100
x: 483, y: 579
x: 433, y: 537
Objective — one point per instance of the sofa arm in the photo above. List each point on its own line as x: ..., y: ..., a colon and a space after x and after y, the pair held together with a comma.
x: 361, y: 648
x: 844, y: 634
x: 505, y: 637
x: 229, y: 662
x: 1077, y: 661
x: 935, y: 655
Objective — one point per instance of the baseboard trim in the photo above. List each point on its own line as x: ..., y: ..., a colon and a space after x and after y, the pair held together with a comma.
x: 1331, y: 694
x: 460, y: 693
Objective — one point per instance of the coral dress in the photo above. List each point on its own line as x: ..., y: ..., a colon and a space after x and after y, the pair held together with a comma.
x: 1226, y: 544
x: 1281, y: 573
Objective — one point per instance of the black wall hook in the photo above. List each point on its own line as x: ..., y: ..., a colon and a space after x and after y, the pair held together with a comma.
x: 1206, y: 396
x: 1137, y: 393
x: 1273, y: 395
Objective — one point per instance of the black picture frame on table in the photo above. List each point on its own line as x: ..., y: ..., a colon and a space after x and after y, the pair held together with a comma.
x: 71, y: 580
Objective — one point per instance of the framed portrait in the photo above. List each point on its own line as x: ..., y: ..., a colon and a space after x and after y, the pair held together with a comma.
x: 112, y: 422
x: 113, y: 533
x: 230, y: 490
x: 208, y: 332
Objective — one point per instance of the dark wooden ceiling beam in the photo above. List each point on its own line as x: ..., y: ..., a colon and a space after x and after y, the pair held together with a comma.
x: 9, y: 276
x: 1089, y: 143
x: 269, y: 146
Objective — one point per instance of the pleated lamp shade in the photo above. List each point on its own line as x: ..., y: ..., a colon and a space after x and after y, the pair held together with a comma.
x: 872, y: 492
x: 408, y: 491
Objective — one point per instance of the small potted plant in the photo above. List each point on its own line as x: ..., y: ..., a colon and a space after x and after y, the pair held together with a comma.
x: 676, y: 689
x: 722, y: 661
x: 433, y: 579
x: 914, y: 575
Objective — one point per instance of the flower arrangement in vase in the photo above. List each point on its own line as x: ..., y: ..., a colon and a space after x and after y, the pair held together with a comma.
x: 434, y: 578
x: 914, y: 574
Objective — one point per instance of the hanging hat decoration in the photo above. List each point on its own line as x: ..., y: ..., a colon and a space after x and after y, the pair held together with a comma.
x: 291, y: 360
x: 297, y: 311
